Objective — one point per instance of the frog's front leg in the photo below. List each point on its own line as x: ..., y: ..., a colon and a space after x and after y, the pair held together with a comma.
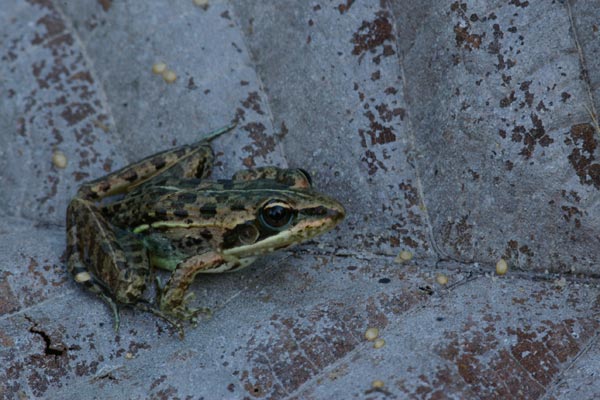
x: 173, y: 298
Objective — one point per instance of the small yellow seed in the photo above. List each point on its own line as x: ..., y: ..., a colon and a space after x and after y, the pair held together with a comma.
x: 59, y: 159
x: 82, y: 277
x: 379, y: 343
x: 169, y: 76
x: 441, y: 279
x: 501, y: 267
x: 371, y: 334
x: 403, y: 256
x: 128, y: 355
x: 159, y: 68
x: 201, y: 3
x: 377, y: 384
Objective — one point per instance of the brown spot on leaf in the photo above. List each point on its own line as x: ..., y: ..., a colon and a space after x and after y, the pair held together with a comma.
x: 106, y: 4
x: 8, y: 302
x: 253, y: 102
x: 458, y: 234
x: 76, y: 112
x: 263, y: 143
x: 519, y: 3
x: 518, y: 255
x: 541, y: 106
x: 342, y: 8
x: 535, y: 135
x: 466, y: 40
x: 372, y: 34
x: 508, y: 100
x: 54, y: 27
x: 517, y: 134
x: 373, y: 164
x: 582, y: 157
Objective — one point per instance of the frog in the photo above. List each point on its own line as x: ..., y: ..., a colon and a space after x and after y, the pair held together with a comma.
x: 164, y: 213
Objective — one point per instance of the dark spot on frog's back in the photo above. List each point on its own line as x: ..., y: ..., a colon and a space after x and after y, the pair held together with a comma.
x: 155, y: 192
x: 237, y: 207
x: 104, y: 186
x: 206, y: 235
x: 182, y: 213
x: 130, y: 176
x: 189, y: 184
x: 181, y: 152
x: 227, y: 184
x: 158, y: 163
x: 208, y: 210
x: 191, y: 241
x: 187, y: 197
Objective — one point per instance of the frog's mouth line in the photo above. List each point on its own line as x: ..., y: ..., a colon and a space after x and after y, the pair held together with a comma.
x: 302, y: 231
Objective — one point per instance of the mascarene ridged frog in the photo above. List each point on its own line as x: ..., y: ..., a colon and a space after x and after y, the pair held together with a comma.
x: 162, y: 212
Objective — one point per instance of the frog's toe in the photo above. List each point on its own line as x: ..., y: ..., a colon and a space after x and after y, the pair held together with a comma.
x: 185, y: 313
x: 115, y: 309
x: 177, y: 308
x: 167, y: 317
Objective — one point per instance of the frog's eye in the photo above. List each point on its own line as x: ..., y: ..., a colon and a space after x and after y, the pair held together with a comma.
x: 306, y: 175
x: 276, y: 215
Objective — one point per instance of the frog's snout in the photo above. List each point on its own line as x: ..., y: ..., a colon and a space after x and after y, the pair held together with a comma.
x: 337, y: 212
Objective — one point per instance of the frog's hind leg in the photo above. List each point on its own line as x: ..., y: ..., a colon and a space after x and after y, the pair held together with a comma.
x: 114, y: 267
x: 187, y: 161
x: 191, y: 161
x: 84, y: 277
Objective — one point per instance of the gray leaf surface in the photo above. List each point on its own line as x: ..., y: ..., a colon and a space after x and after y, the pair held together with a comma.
x: 458, y: 132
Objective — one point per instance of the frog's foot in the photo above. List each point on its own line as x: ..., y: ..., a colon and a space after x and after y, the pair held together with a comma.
x: 176, y: 307
x: 146, y: 307
x: 182, y: 311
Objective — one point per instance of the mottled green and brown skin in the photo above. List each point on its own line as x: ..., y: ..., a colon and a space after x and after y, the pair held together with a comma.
x: 169, y: 216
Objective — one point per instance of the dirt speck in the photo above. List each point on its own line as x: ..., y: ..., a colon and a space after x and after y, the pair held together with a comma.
x: 342, y: 8
x: 106, y: 4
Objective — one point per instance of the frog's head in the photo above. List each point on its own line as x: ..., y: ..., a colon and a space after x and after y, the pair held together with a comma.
x: 275, y: 217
